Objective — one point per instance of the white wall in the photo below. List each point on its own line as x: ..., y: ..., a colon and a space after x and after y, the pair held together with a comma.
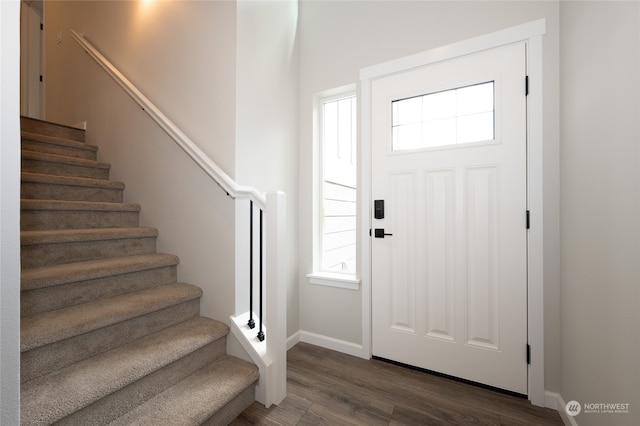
x: 10, y: 213
x: 267, y: 118
x: 600, y: 134
x: 182, y: 56
x: 337, y: 39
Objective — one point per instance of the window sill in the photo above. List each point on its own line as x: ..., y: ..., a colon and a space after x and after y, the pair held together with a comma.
x: 348, y: 282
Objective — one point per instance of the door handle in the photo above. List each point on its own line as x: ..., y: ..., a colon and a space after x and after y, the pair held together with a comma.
x: 379, y: 233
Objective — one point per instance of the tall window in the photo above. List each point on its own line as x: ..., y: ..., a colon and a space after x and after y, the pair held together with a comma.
x: 338, y: 190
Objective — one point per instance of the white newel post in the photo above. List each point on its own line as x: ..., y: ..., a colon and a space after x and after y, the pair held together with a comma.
x: 276, y: 297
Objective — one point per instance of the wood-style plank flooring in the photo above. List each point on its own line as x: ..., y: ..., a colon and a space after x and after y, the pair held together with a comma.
x: 330, y: 388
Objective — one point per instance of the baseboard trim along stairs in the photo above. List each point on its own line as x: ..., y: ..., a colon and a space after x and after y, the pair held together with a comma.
x: 108, y: 333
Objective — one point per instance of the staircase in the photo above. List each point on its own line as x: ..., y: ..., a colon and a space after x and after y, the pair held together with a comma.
x: 108, y: 334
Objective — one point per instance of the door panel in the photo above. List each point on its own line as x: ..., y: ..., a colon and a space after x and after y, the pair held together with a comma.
x: 403, y: 316
x: 482, y: 258
x: 449, y: 283
x: 439, y: 196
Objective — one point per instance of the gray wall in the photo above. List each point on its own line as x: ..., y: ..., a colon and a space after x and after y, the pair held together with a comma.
x: 600, y: 169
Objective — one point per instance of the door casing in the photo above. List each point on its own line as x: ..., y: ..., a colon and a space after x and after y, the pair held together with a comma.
x: 532, y: 34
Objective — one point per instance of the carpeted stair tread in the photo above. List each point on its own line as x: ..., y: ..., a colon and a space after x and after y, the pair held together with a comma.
x: 45, y: 163
x: 58, y: 355
x: 60, y: 214
x: 57, y: 187
x: 56, y: 236
x: 64, y: 214
x: 46, y: 276
x: 53, y: 140
x: 50, y: 327
x: 27, y: 177
x: 63, y: 159
x: 196, y: 398
x: 59, y: 246
x: 52, y: 397
x: 41, y: 127
x: 53, y: 287
x: 29, y: 204
x: 58, y: 143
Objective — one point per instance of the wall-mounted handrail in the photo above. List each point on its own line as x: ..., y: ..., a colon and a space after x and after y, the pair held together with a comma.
x: 200, y: 157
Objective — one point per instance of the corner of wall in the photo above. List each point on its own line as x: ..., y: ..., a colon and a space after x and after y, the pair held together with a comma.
x: 10, y: 213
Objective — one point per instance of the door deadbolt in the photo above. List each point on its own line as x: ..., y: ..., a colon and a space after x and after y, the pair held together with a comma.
x: 378, y: 209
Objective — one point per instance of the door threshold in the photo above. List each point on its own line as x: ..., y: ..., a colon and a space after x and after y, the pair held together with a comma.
x: 450, y: 377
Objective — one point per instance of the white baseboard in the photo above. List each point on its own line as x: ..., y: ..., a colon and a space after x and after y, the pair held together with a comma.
x: 555, y: 401
x: 328, y: 343
x: 293, y: 340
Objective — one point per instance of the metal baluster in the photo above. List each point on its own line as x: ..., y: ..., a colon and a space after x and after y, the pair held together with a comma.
x: 261, y: 333
x: 251, y: 322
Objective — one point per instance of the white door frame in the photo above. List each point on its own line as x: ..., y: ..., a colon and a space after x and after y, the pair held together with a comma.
x: 532, y: 34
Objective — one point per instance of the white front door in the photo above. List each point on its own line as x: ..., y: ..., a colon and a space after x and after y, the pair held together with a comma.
x: 449, y: 280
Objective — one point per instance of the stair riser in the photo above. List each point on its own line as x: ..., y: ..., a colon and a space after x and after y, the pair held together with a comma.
x: 47, y: 299
x: 209, y: 396
x: 49, y: 148
x: 232, y: 410
x: 36, y: 220
x: 40, y: 361
x: 36, y: 255
x: 53, y: 168
x: 115, y: 405
x: 41, y: 127
x: 49, y: 191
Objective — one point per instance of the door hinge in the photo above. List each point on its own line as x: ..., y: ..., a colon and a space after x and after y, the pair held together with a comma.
x: 40, y: 77
x: 41, y: 26
x: 528, y: 354
x: 528, y: 219
x: 526, y: 85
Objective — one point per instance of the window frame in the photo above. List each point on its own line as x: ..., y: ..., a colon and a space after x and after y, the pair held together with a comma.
x: 319, y: 276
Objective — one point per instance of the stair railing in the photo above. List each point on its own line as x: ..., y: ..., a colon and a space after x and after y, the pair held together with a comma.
x: 267, y: 351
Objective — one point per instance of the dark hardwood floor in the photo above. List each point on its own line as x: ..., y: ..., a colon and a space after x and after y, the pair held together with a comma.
x: 330, y: 388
